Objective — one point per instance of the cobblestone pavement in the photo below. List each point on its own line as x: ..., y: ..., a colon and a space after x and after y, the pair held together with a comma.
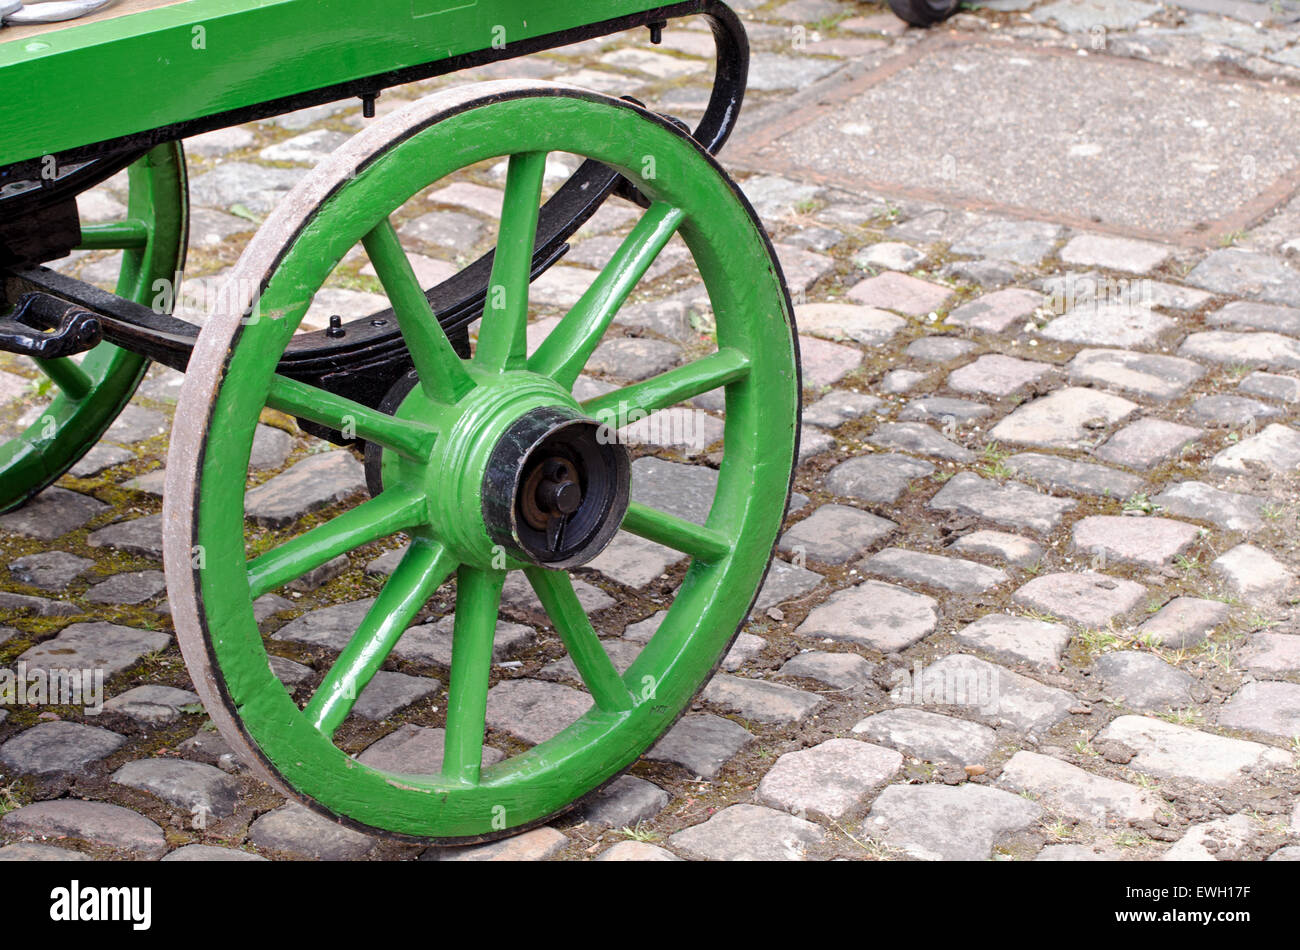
x: 1036, y: 598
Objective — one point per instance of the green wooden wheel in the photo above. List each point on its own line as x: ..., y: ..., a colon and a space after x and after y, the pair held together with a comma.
x: 91, y: 392
x: 445, y: 444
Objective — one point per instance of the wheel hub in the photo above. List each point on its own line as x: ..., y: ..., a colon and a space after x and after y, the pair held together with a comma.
x: 555, y: 489
x: 519, y: 469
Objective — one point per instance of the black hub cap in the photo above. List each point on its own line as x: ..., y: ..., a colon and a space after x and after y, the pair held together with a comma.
x: 556, y: 489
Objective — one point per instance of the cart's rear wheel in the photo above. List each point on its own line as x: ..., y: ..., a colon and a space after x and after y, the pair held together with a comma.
x: 90, y: 392
x: 489, y: 463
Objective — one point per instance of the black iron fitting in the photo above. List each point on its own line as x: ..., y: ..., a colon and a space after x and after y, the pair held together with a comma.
x: 554, y: 492
x: 48, y: 328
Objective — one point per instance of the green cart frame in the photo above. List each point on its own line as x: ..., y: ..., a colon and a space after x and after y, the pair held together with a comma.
x: 482, y: 457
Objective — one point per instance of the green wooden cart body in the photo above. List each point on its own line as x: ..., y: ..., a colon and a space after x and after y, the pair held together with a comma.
x: 99, y: 81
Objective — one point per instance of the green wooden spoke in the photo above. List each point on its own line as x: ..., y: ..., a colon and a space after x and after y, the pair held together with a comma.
x: 422, y: 570
x: 676, y: 533
x: 502, y: 341
x: 442, y: 374
x: 114, y: 235
x: 393, y: 511
x: 668, y: 389
x: 74, y: 381
x: 555, y: 591
x: 413, y: 440
x: 478, y: 600
x: 565, y: 351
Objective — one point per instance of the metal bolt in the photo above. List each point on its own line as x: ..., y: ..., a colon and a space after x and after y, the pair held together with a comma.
x: 564, y: 497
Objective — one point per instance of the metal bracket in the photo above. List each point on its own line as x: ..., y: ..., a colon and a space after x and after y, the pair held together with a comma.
x: 49, y: 328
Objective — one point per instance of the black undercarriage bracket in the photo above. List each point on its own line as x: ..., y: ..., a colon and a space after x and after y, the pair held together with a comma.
x: 48, y: 328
